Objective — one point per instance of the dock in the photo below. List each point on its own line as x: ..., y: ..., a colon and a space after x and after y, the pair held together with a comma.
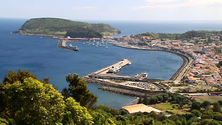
x: 127, y: 85
x: 120, y: 64
x: 104, y: 73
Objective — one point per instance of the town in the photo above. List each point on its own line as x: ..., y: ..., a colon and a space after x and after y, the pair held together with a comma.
x: 205, y: 73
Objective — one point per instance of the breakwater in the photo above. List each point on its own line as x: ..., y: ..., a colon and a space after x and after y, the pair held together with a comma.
x: 128, y: 92
x: 119, y: 88
x: 63, y: 43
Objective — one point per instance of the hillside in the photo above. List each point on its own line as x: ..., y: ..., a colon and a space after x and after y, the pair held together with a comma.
x: 56, y: 26
x: 186, y: 35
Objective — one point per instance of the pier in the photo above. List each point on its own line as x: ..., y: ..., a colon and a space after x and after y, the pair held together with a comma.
x: 105, y: 73
x: 127, y: 85
x: 118, y: 65
x: 63, y: 44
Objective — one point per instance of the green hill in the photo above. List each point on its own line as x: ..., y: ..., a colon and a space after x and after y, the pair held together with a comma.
x: 56, y: 26
x: 187, y: 35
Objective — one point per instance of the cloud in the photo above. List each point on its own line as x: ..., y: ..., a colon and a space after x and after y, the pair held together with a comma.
x: 159, y: 1
x: 185, y: 4
x: 85, y: 8
x: 202, y: 3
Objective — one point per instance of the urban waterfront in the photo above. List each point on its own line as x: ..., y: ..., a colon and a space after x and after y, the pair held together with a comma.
x: 42, y: 57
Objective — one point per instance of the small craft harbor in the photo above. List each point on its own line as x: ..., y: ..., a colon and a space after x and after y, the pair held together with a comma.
x: 130, y: 85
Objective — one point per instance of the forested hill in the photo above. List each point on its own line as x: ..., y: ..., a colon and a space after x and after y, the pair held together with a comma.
x: 56, y: 26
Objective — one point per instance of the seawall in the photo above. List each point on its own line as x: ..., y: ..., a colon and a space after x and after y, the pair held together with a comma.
x: 128, y: 92
x: 117, y: 88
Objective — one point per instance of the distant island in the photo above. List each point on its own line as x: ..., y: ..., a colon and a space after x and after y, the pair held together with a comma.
x: 64, y: 27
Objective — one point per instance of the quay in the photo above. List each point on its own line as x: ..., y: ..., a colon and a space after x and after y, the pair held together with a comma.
x: 105, y: 72
x: 127, y: 85
x: 118, y: 65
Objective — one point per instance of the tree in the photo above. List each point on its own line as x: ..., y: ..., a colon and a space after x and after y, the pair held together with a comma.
x: 205, y: 104
x: 207, y: 114
x: 153, y: 100
x: 79, y: 91
x: 145, y: 99
x: 195, y: 105
x: 21, y: 75
x: 218, y: 116
x: 2, y: 96
x: 217, y: 107
x: 197, y: 113
x: 220, y: 102
x: 76, y: 114
x: 160, y: 98
x: 165, y: 97
x: 140, y: 100
x: 33, y: 102
x: 65, y: 93
x: 13, y: 77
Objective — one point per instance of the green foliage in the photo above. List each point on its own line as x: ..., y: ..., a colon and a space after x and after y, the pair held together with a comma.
x: 187, y: 35
x: 220, y: 63
x: 76, y: 114
x: 217, y: 107
x: 34, y: 102
x: 207, y: 114
x: 195, y: 105
x: 4, y: 120
x: 197, y: 113
x: 205, y: 104
x: 83, y: 33
x: 145, y: 100
x: 56, y: 26
x: 21, y: 75
x: 220, y: 102
x: 2, y: 96
x: 79, y: 91
x: 218, y: 116
x: 173, y: 98
x: 101, y: 119
x: 107, y: 109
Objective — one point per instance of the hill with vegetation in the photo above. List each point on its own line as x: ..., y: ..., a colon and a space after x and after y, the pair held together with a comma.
x: 56, y: 26
x: 187, y: 35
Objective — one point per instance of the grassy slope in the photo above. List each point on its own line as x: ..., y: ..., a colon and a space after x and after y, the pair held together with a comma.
x: 56, y: 26
x: 169, y: 107
x: 211, y: 99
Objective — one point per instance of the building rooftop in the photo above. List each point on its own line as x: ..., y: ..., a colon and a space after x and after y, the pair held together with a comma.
x: 141, y: 108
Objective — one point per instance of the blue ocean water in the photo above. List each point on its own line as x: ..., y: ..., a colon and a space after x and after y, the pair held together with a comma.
x: 42, y: 57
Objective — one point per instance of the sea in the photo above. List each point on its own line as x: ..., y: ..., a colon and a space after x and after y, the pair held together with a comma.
x: 41, y: 56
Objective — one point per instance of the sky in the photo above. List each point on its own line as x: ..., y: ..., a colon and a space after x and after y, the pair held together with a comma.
x: 113, y: 9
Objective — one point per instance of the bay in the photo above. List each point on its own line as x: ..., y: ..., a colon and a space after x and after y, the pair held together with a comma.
x: 42, y: 57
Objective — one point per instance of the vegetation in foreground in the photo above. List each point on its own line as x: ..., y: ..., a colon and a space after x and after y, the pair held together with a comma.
x: 27, y: 100
x: 63, y: 27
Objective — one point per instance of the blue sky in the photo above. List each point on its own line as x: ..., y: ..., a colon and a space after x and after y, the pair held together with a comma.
x: 113, y: 9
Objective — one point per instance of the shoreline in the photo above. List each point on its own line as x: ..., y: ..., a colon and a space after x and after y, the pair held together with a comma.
x: 187, y: 60
x: 175, y: 77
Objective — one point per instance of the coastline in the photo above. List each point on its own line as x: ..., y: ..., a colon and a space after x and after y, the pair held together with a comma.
x: 187, y: 60
x: 175, y: 78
